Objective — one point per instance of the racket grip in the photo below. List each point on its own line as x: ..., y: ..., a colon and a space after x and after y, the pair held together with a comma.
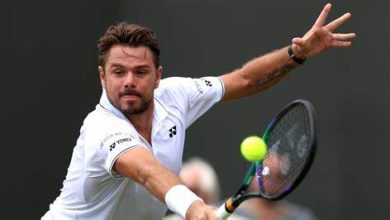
x: 222, y: 213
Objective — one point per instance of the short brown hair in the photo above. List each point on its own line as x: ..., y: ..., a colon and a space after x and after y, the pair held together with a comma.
x: 132, y: 35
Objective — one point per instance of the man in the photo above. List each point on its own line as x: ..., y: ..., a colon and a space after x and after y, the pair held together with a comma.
x: 128, y: 155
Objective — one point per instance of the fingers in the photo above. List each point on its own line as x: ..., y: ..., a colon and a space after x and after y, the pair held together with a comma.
x: 298, y: 41
x: 344, y: 37
x: 324, y: 14
x: 339, y: 21
x: 342, y: 40
x: 341, y: 43
x: 320, y: 38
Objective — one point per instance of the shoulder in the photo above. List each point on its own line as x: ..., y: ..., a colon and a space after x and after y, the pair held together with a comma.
x: 182, y: 86
x: 189, y: 92
x: 174, y: 83
x: 104, y: 135
x: 101, y: 116
x: 173, y: 90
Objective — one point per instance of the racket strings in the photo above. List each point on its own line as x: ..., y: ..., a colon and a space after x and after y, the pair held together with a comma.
x: 289, y: 143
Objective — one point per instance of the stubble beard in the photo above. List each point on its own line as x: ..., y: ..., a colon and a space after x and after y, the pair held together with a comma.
x: 145, y: 104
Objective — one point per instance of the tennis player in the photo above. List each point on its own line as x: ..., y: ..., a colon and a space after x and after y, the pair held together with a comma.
x: 126, y: 160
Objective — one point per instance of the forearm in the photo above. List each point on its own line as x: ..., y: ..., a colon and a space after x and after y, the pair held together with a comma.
x: 258, y: 74
x: 159, y: 180
x: 267, y: 70
x: 141, y: 166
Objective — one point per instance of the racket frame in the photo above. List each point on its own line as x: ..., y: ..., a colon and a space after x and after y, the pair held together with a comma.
x: 233, y: 202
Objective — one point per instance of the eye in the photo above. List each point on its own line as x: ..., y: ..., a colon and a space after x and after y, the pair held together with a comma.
x: 118, y: 71
x: 142, y: 71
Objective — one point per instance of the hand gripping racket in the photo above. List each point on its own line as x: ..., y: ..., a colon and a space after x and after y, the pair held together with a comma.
x: 291, y: 141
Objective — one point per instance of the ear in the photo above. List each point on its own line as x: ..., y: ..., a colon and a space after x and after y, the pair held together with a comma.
x: 102, y: 76
x: 158, y: 76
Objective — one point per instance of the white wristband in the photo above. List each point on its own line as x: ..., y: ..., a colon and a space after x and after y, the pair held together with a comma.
x: 179, y: 198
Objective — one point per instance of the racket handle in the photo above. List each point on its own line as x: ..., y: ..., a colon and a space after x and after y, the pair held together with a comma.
x: 222, y: 213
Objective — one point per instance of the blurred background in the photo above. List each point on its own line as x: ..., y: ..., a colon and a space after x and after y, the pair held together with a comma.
x: 50, y: 82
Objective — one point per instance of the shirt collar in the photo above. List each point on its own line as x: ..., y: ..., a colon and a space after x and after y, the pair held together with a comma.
x: 159, y: 112
x: 106, y: 104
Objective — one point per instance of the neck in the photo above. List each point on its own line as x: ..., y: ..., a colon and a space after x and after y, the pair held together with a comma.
x: 143, y: 122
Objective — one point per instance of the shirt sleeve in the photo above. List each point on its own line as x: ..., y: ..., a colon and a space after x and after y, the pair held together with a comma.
x: 114, y: 145
x: 194, y: 95
x: 104, y: 138
x: 203, y: 93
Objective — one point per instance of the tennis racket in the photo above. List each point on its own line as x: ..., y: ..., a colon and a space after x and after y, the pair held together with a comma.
x: 291, y: 141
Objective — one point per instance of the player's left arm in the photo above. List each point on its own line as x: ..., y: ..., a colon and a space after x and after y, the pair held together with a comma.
x: 263, y: 72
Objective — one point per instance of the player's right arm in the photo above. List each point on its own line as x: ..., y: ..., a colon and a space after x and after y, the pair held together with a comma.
x: 140, y: 165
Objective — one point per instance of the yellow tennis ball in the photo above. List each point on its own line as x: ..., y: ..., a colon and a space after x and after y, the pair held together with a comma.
x: 253, y: 148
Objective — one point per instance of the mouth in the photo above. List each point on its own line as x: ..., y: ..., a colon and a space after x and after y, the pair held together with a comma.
x: 130, y: 96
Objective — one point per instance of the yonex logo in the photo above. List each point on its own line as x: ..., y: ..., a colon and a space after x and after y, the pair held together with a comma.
x: 172, y: 131
x: 120, y: 141
x: 208, y: 83
x: 112, y: 146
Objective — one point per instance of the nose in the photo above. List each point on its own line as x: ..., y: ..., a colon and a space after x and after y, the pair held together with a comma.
x: 130, y: 80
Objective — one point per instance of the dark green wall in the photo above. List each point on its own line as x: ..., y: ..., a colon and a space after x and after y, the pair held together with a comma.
x: 50, y: 83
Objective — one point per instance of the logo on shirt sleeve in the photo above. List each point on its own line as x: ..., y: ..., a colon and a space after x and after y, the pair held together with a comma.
x: 115, y: 140
x: 120, y: 141
x: 172, y: 131
x: 200, y: 86
x: 112, y: 146
x: 208, y: 83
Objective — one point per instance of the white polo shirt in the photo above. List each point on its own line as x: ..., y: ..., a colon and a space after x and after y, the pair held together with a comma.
x: 92, y: 190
